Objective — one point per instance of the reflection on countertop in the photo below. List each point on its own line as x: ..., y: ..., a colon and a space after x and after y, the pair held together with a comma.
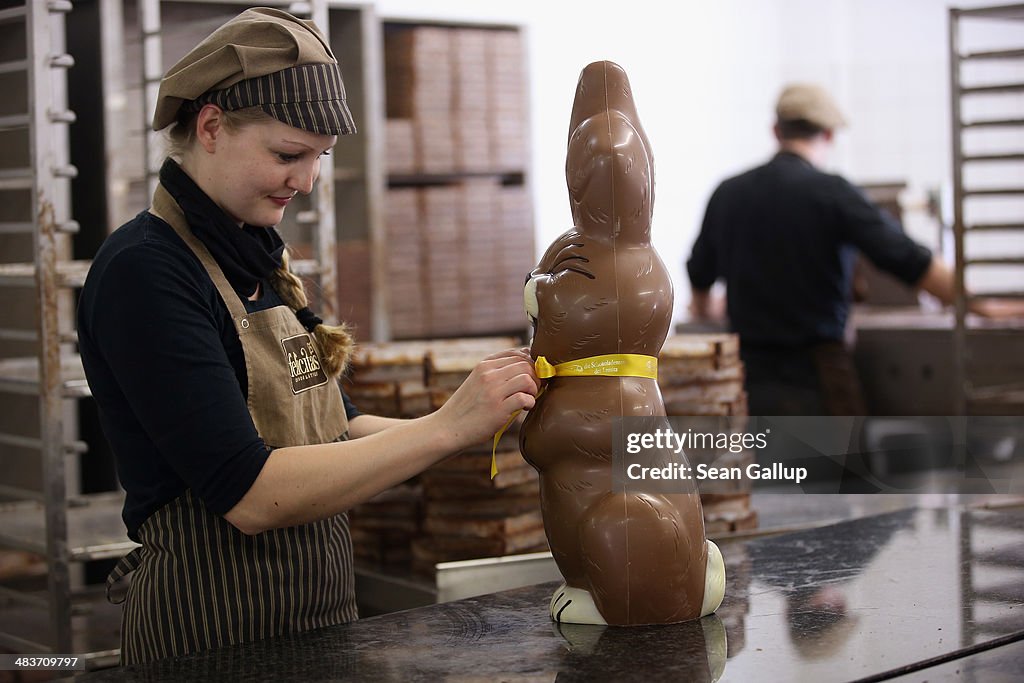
x: 783, y: 512
x: 873, y: 596
x: 881, y: 594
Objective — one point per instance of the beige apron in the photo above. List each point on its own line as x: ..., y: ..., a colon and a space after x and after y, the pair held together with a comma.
x: 198, y: 582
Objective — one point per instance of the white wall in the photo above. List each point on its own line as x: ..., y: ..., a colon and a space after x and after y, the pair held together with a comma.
x: 705, y: 76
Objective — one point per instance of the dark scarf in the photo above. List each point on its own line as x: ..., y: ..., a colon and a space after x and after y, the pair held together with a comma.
x: 247, y: 255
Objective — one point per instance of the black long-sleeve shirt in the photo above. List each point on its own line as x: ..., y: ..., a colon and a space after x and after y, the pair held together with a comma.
x: 783, y: 236
x: 166, y: 368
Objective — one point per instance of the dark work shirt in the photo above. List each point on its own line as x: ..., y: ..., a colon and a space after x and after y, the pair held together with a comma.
x: 784, y: 237
x: 166, y: 368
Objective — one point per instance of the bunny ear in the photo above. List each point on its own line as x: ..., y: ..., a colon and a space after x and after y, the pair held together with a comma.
x: 609, y: 176
x: 609, y: 167
x: 603, y: 87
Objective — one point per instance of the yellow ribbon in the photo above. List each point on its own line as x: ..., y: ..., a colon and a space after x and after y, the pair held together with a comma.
x: 497, y: 438
x: 612, y: 364
x: 609, y: 365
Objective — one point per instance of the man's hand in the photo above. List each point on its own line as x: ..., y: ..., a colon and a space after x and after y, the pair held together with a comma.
x: 707, y: 307
x: 998, y: 309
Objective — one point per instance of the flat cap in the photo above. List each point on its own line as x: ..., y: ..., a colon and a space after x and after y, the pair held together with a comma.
x: 811, y: 103
x: 263, y: 58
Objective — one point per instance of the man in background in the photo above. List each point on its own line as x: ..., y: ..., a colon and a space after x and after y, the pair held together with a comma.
x: 784, y: 237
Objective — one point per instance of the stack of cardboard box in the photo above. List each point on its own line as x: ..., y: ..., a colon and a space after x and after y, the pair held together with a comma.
x: 355, y: 282
x: 516, y: 249
x: 443, y: 242
x: 505, y: 68
x: 456, y: 99
x: 491, y: 275
x: 457, y: 259
x: 461, y: 234
x: 400, y: 147
x: 406, y: 272
x: 418, y: 88
x: 470, y: 116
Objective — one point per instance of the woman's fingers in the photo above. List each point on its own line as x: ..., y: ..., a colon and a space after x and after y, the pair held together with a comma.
x: 519, y: 401
x: 525, y: 383
x: 510, y: 364
x: 500, y: 385
x: 503, y: 358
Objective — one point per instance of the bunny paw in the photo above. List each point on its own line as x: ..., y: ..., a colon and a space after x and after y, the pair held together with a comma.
x: 714, y: 580
x: 574, y: 606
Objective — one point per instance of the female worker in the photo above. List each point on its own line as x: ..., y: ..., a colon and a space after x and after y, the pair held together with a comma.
x: 216, y: 384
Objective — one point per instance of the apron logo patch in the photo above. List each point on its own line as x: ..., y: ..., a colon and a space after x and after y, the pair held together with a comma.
x: 303, y: 363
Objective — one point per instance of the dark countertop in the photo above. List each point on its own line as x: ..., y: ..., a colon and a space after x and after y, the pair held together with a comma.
x: 889, y: 595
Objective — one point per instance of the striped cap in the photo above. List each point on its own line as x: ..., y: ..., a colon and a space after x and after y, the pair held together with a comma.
x: 263, y: 58
x: 310, y: 97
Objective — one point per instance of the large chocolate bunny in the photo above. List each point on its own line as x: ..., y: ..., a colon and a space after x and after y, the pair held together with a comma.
x: 601, y: 289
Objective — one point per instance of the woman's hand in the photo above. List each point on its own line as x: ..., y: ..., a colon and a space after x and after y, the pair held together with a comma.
x: 499, y: 385
x: 301, y: 484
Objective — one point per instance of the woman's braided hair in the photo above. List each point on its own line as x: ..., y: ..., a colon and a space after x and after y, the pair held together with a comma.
x: 336, y: 341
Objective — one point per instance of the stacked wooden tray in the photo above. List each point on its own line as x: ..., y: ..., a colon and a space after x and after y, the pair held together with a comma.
x: 702, y: 375
x: 454, y: 510
x: 467, y: 514
x: 387, y: 380
x: 383, y: 528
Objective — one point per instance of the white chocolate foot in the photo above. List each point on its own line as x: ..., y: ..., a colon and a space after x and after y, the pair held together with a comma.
x: 714, y: 580
x: 575, y: 606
